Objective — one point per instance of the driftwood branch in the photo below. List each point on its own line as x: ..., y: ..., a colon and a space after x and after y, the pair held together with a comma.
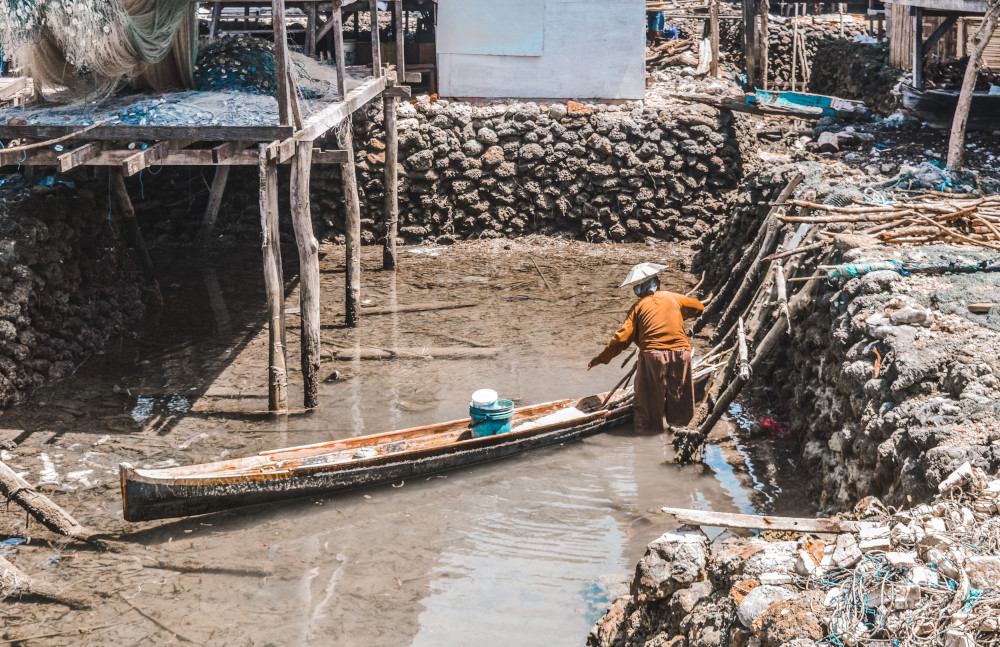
x: 15, y: 582
x: 40, y: 506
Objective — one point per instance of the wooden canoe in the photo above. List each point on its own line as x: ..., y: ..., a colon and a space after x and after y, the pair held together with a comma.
x: 345, y: 464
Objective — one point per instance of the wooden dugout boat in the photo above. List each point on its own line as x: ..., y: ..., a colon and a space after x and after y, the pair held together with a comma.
x: 328, y: 467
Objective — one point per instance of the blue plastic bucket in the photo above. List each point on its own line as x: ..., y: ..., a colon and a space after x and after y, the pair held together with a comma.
x: 492, y: 420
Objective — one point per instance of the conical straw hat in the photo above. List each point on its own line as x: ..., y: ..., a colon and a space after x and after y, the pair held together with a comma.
x: 641, y: 272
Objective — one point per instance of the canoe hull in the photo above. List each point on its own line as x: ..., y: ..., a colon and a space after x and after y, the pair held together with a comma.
x: 147, y: 499
x: 938, y: 107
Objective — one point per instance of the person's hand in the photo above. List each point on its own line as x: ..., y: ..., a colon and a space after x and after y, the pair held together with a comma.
x: 592, y: 364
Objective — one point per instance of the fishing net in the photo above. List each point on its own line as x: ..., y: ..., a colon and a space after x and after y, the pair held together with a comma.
x: 75, y: 49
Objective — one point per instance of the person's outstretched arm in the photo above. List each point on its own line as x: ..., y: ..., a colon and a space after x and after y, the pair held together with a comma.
x: 618, y: 343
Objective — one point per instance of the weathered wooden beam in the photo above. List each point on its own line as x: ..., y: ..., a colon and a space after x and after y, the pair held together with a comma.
x: 917, y: 16
x: 309, y: 278
x: 321, y: 123
x: 936, y: 35
x: 152, y: 133
x: 398, y: 91
x: 391, y: 183
x: 338, y: 52
x: 196, y: 157
x: 277, y: 378
x: 352, y: 230
x: 145, y: 158
x: 224, y: 151
x: 376, y: 45
x: 311, y: 30
x: 400, y: 29
x: 764, y: 522
x: 78, y: 156
x: 281, y: 61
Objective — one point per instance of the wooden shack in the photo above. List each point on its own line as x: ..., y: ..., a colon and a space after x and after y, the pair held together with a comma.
x: 944, y: 27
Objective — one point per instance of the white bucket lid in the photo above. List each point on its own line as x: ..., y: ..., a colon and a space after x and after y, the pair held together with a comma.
x: 484, y: 397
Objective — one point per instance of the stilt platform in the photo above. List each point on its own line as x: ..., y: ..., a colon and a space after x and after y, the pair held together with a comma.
x: 293, y: 140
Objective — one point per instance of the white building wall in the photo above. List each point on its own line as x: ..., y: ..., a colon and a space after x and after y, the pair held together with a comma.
x: 591, y: 49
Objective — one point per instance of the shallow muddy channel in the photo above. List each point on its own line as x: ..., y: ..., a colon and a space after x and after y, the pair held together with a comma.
x: 525, y: 551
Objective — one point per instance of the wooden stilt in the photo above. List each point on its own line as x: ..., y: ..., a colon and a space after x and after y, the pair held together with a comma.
x: 391, y: 184
x: 309, y: 287
x: 281, y: 61
x: 714, y: 36
x: 214, y: 202
x: 311, y: 29
x: 130, y: 229
x: 376, y: 46
x: 352, y: 228
x: 400, y: 32
x: 338, y: 52
x: 213, y: 30
x: 277, y: 380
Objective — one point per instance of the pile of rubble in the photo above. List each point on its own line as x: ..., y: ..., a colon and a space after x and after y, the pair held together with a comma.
x: 928, y: 575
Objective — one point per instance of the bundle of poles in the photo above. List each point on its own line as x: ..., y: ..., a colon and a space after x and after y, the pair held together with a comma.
x: 672, y: 52
x: 922, y: 218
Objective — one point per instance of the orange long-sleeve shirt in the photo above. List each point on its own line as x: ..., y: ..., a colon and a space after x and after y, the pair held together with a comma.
x: 654, y: 322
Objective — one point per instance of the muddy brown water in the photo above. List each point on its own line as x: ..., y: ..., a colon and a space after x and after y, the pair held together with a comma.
x: 525, y: 551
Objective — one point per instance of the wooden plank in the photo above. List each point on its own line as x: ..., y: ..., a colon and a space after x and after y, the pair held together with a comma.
x: 78, y: 156
x: 391, y: 183
x: 223, y: 152
x: 398, y: 91
x: 319, y: 124
x: 145, y: 158
x: 277, y: 379
x: 764, y: 522
x: 281, y: 61
x: 10, y: 89
x: 152, y: 133
x: 196, y: 157
x: 309, y: 278
x: 917, y: 16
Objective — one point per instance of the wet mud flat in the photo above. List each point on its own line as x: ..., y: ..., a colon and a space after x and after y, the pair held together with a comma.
x: 528, y: 550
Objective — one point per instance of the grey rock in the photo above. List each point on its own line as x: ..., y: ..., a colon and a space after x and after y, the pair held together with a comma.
x: 758, y: 600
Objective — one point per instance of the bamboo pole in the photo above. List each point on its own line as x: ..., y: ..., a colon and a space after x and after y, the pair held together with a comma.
x: 309, y: 279
x: 391, y: 184
x: 338, y: 52
x: 277, y: 379
x: 352, y: 228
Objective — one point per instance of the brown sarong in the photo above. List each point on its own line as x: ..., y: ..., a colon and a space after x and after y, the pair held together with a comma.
x: 663, y: 386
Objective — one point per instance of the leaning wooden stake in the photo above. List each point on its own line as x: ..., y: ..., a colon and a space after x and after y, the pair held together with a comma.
x: 352, y: 228
x: 130, y: 226
x: 214, y: 202
x: 309, y: 282
x: 391, y: 184
x: 779, y: 281
x: 743, y: 366
x: 277, y: 379
x: 40, y: 506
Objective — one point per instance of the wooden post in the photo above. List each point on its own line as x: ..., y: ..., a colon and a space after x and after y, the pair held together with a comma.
x: 714, y: 36
x: 281, y: 61
x: 376, y: 47
x: 795, y: 44
x: 338, y: 52
x: 352, y: 228
x: 309, y: 285
x: 213, y: 30
x: 277, y: 379
x: 214, y: 202
x: 400, y: 40
x: 918, y: 46
x: 131, y: 231
x: 391, y: 184
x: 750, y: 41
x: 763, y: 40
x: 311, y: 29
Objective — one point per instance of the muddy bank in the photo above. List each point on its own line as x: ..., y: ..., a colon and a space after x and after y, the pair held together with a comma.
x: 922, y: 576
x: 68, y: 282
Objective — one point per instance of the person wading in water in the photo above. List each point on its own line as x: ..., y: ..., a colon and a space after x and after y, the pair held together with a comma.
x: 663, y: 381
